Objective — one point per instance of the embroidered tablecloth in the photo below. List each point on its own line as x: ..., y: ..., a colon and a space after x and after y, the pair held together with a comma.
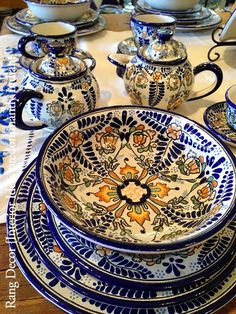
x: 18, y: 148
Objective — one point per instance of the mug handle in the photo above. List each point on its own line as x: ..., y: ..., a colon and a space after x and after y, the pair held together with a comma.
x: 208, y: 66
x: 21, y: 99
x: 90, y: 62
x: 22, y: 46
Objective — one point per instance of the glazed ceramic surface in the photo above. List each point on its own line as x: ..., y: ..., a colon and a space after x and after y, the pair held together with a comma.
x: 172, y: 5
x: 58, y: 12
x: 55, y: 99
x: 139, y: 180
x: 228, y: 32
x: 78, y: 278
x: 26, y: 17
x: 230, y: 97
x: 40, y: 276
x: 216, y: 120
x: 146, y: 271
x: 127, y: 46
x: 17, y: 28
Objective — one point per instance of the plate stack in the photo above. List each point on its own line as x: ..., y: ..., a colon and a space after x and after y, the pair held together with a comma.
x: 191, y: 19
x: 128, y: 210
x: 88, y: 22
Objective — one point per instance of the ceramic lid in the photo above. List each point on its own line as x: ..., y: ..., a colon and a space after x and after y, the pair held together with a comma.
x: 164, y: 50
x: 58, y: 68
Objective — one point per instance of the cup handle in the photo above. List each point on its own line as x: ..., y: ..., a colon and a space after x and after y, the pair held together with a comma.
x: 90, y: 62
x: 208, y: 66
x: 21, y: 99
x: 22, y: 46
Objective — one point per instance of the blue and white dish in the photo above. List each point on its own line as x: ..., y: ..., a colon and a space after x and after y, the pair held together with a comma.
x: 138, y: 179
x: 127, y: 46
x: 215, y: 119
x: 26, y: 18
x: 146, y: 271
x: 70, y: 301
x: 78, y: 279
x: 17, y: 28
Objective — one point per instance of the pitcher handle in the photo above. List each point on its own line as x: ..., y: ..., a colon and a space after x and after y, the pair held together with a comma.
x: 21, y: 98
x: 208, y: 66
x: 22, y: 46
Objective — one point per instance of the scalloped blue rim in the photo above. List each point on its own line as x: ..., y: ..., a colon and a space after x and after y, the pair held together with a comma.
x: 224, y: 138
x: 123, y: 246
x: 167, y: 284
x: 60, y: 302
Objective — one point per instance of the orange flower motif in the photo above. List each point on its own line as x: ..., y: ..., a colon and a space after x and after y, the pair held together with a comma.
x: 56, y: 248
x: 174, y: 131
x: 140, y: 218
x: 76, y: 138
x: 207, y: 191
x: 128, y: 171
x: 104, y: 194
x: 68, y: 173
x: 102, y: 251
x: 161, y: 189
x: 68, y: 201
x: 192, y: 166
x: 42, y: 207
x: 157, y: 76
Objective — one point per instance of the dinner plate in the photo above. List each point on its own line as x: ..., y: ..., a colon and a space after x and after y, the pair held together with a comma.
x: 78, y: 278
x: 70, y: 301
x: 138, y: 179
x: 26, y: 18
x: 17, y: 28
x: 215, y: 120
x: 146, y: 271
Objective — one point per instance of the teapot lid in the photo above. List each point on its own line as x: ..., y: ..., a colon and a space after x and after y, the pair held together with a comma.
x: 164, y: 50
x: 51, y: 67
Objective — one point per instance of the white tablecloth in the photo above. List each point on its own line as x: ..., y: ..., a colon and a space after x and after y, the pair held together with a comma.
x: 18, y: 148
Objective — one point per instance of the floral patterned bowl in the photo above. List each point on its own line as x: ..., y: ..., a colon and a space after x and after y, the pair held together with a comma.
x: 137, y: 180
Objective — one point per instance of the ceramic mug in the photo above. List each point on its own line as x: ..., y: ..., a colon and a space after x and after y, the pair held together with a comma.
x: 148, y: 27
x: 230, y: 97
x: 55, y: 37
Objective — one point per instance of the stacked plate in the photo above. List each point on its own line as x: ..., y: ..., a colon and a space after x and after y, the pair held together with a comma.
x: 128, y: 210
x: 197, y: 18
x: 91, y: 22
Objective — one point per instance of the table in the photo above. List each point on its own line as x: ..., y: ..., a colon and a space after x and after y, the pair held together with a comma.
x: 28, y: 299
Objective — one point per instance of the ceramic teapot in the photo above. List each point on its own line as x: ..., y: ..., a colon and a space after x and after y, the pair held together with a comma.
x: 160, y: 75
x: 56, y: 88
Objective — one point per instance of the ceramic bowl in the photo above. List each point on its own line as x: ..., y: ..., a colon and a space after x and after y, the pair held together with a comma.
x: 137, y: 179
x: 58, y: 12
x: 174, y: 5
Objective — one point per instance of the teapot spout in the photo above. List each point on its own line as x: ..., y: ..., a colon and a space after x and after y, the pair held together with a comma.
x: 120, y: 60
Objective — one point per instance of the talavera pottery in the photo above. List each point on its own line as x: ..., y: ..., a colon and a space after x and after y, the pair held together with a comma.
x: 216, y: 121
x: 26, y: 17
x: 137, y: 179
x: 58, y: 12
x: 56, y: 89
x: 230, y: 97
x: 20, y: 29
x: 48, y: 35
x: 127, y: 46
x: 147, y: 27
x: 157, y: 271
x: 70, y: 301
x: 79, y: 53
x: 160, y: 75
x: 172, y: 5
x: 78, y: 278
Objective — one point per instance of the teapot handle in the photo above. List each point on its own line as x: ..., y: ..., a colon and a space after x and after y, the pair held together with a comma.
x: 22, y: 46
x: 90, y: 62
x: 208, y: 66
x: 21, y: 99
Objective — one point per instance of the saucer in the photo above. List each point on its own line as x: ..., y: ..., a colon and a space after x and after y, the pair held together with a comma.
x: 79, y: 53
x: 127, y: 46
x: 215, y: 119
x: 14, y: 26
x: 45, y: 282
x: 26, y: 18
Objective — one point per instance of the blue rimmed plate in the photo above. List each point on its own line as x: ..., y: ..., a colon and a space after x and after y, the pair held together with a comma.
x: 146, y: 271
x: 72, y: 302
x: 215, y: 119
x: 137, y: 179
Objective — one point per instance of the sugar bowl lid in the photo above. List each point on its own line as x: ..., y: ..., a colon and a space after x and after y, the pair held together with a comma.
x: 58, y: 68
x: 164, y: 50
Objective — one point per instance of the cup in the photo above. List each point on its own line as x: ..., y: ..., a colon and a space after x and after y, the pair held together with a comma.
x: 55, y: 37
x: 148, y: 27
x: 230, y: 97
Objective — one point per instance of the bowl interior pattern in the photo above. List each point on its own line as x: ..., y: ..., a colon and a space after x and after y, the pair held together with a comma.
x: 137, y: 179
